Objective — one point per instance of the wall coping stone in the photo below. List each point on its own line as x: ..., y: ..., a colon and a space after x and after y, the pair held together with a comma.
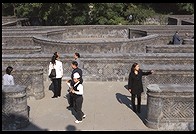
x: 171, y: 88
x: 13, y: 88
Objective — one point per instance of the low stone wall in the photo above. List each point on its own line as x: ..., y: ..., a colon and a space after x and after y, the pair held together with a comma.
x: 170, y: 68
x: 188, y: 41
x: 170, y: 49
x: 105, y: 32
x: 181, y: 20
x: 17, y: 41
x: 15, y: 112
x: 21, y: 49
x: 110, y: 45
x: 30, y: 76
x: 170, y: 107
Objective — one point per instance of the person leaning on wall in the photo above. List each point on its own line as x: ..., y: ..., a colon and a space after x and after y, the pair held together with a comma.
x: 8, y: 79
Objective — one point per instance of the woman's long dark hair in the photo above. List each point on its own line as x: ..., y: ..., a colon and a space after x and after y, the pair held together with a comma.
x: 54, y: 57
x: 133, y: 67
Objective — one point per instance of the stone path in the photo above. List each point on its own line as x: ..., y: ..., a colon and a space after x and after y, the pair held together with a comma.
x: 106, y: 104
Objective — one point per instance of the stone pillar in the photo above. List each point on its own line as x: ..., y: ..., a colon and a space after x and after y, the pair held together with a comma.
x: 38, y: 85
x: 15, y: 112
x: 170, y: 107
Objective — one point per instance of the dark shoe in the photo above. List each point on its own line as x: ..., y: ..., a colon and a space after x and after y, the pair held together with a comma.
x: 139, y: 111
x: 54, y: 96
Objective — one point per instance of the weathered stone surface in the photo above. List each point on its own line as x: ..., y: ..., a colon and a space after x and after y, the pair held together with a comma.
x: 15, y: 112
x: 30, y: 76
x: 171, y: 108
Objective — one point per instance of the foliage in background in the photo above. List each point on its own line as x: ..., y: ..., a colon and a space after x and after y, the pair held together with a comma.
x: 92, y: 13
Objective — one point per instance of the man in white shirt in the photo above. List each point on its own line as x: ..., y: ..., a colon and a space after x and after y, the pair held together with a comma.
x: 78, y: 97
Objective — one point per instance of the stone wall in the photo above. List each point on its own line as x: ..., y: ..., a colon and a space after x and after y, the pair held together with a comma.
x: 21, y: 49
x: 61, y: 33
x: 181, y: 20
x: 170, y: 107
x: 109, y: 45
x: 170, y: 48
x: 31, y: 76
x: 107, y: 52
x: 15, y: 112
x: 170, y: 68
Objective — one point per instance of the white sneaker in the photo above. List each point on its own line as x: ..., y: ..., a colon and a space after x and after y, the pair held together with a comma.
x: 77, y: 121
x: 84, y: 116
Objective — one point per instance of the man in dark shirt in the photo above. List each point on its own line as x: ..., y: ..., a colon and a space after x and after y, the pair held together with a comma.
x: 176, y: 38
x: 70, y: 82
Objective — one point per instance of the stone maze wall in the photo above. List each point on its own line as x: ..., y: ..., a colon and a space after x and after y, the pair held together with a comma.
x: 107, y: 52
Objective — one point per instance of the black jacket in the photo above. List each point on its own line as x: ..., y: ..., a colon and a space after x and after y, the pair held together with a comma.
x: 135, y: 81
x: 176, y: 39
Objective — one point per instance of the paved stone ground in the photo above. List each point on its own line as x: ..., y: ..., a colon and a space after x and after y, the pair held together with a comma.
x: 106, y: 104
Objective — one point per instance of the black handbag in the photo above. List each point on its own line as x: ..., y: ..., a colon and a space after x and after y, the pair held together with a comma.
x: 52, y: 73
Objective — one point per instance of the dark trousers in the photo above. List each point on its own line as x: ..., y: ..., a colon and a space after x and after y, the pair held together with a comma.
x: 133, y: 96
x: 78, y: 107
x: 57, y: 86
x: 71, y: 100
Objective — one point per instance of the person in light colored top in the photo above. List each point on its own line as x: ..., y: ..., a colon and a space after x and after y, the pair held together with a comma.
x: 57, y: 64
x: 78, y: 97
x: 8, y: 79
x: 70, y: 82
x: 77, y: 58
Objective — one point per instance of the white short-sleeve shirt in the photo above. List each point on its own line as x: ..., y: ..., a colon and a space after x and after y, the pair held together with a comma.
x: 8, y: 79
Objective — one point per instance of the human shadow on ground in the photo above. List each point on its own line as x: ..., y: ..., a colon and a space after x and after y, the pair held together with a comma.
x: 70, y: 128
x: 16, y: 122
x: 67, y: 97
x: 126, y: 100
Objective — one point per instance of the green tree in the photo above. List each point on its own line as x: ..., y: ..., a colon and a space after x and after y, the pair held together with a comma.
x: 92, y: 13
x: 108, y: 14
x: 9, y: 9
x: 79, y: 14
x: 186, y: 8
x: 49, y: 13
x: 139, y: 13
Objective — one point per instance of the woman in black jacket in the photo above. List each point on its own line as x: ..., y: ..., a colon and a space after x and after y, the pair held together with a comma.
x: 135, y: 86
